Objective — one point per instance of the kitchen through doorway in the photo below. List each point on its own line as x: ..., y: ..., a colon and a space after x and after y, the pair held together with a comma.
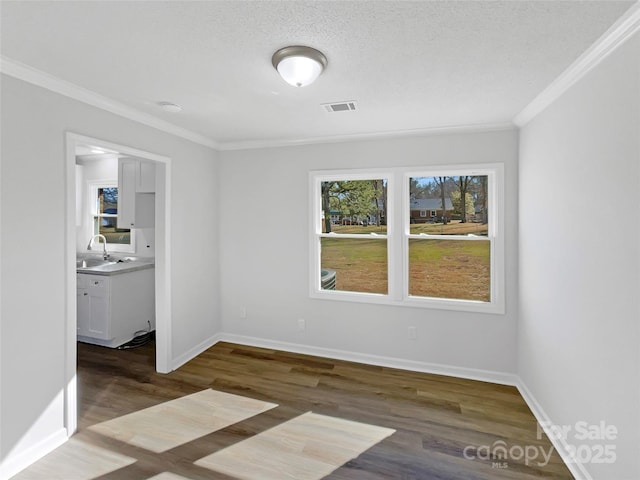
x: 117, y: 253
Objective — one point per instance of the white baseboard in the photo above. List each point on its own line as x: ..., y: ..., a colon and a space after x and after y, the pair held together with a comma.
x: 576, y: 469
x: 560, y: 444
x: 195, y: 351
x: 391, y: 362
x: 14, y: 464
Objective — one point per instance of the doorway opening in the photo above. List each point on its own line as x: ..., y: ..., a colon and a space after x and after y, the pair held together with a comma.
x: 92, y: 170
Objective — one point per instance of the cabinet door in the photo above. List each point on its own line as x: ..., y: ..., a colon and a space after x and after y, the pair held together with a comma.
x: 84, y: 312
x: 146, y: 177
x: 96, y: 306
x: 99, y: 319
x: 126, y: 193
x: 135, y: 209
x: 145, y: 210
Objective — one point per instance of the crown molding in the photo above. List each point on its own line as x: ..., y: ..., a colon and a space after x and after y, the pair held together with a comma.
x: 476, y: 128
x: 615, y: 36
x: 42, y: 79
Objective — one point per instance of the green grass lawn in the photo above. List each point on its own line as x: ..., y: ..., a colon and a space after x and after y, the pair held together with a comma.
x: 116, y: 235
x: 450, y: 269
x: 438, y: 268
x: 360, y: 264
x: 358, y: 229
x: 452, y: 228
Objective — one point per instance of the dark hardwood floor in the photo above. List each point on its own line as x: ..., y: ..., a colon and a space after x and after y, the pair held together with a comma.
x: 440, y: 422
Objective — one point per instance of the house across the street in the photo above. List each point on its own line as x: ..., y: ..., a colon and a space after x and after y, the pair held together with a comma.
x: 425, y: 210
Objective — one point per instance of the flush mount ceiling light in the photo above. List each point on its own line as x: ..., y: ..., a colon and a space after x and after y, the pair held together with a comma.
x: 298, y: 65
x: 170, y: 107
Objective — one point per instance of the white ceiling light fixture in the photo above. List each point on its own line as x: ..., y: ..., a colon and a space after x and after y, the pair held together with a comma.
x: 299, y: 65
x: 170, y: 107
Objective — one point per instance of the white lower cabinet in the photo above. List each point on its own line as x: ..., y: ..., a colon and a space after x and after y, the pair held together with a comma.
x: 93, y: 306
x: 112, y: 308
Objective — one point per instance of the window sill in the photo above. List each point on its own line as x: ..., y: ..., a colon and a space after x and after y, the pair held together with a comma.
x: 495, y: 307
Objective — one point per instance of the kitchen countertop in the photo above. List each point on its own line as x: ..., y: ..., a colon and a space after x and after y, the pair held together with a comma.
x: 114, y: 266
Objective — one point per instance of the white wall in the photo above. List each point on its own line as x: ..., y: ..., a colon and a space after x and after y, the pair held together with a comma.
x: 265, y: 248
x: 34, y: 122
x: 579, y: 338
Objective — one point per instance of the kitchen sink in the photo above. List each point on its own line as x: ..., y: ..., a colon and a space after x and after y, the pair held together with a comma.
x: 95, y: 265
x: 92, y: 262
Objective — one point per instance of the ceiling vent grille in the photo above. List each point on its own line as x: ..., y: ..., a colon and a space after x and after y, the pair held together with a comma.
x: 339, y: 107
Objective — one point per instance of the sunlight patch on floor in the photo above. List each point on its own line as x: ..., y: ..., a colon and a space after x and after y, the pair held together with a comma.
x: 176, y: 422
x: 308, y: 447
x: 168, y: 476
x: 75, y: 460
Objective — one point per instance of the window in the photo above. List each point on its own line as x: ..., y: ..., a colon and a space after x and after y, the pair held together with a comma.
x: 451, y: 257
x: 352, y: 235
x: 104, y: 218
x: 373, y: 241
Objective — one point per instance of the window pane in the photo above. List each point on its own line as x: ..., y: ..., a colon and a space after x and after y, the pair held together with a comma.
x: 360, y: 265
x: 105, y: 223
x: 107, y: 226
x: 107, y: 200
x: 457, y: 205
x: 354, y: 206
x: 456, y: 269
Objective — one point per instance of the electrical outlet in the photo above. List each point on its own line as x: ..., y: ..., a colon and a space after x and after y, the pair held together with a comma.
x: 243, y: 312
x: 302, y: 325
x: 412, y: 333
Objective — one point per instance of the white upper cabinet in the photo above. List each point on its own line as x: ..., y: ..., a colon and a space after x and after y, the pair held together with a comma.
x: 136, y: 197
x: 145, y: 177
x: 126, y: 193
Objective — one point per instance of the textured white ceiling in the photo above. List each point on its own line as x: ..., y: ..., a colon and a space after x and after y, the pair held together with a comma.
x: 409, y: 65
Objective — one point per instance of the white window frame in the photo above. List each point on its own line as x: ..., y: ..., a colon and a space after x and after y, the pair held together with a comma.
x: 423, y: 214
x: 316, y: 179
x: 398, y: 235
x: 92, y: 201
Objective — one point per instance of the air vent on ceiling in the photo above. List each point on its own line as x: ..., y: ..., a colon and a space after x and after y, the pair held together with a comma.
x: 339, y: 107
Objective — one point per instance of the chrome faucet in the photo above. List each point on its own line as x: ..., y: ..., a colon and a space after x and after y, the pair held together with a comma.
x: 105, y: 254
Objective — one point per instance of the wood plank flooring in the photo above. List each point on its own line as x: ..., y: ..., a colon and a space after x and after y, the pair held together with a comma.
x: 434, y: 427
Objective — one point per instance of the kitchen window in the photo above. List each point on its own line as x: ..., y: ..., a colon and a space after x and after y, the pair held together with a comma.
x: 372, y: 237
x: 104, y: 219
